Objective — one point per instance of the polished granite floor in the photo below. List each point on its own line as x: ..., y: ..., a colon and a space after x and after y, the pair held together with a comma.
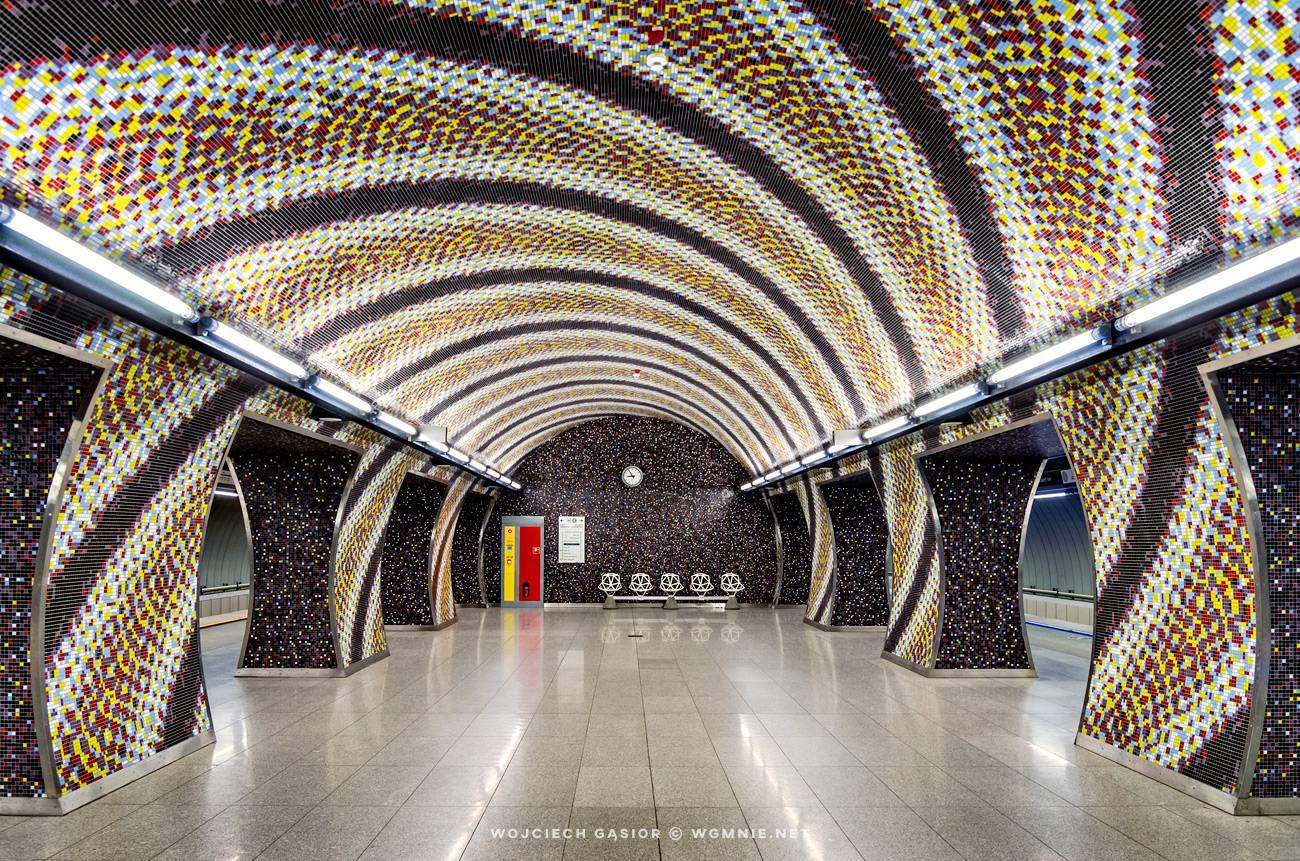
x: 604, y: 721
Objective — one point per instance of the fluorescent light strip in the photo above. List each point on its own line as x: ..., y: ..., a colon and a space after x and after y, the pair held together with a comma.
x: 815, y: 457
x: 341, y: 395
x: 886, y: 427
x: 789, y: 468
x: 836, y: 449
x: 1052, y: 354
x: 74, y: 252
x: 256, y: 350
x: 1279, y: 255
x: 395, y: 423
x: 457, y: 455
x: 948, y: 400
x: 220, y: 492
x: 776, y: 473
x: 475, y: 463
x: 1053, y: 494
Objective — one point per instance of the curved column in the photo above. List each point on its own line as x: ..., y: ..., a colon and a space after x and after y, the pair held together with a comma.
x: 861, y: 550
x: 976, y: 493
x: 796, y: 549
x: 406, y: 590
x: 47, y: 392
x: 294, y: 485
x: 1256, y: 398
x: 981, y: 506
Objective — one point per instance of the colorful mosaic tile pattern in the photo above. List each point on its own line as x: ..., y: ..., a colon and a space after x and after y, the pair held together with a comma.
x: 822, y: 587
x: 1174, y: 652
x: 861, y: 545
x: 122, y: 673
x: 981, y: 505
x: 914, y: 604
x: 683, y: 517
x: 357, y: 587
x: 406, y: 555
x: 42, y: 395
x: 1261, y: 398
x: 293, y: 489
x: 796, y: 548
x: 839, y: 206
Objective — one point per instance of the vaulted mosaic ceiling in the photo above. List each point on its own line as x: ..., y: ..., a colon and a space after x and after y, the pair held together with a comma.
x: 507, y: 217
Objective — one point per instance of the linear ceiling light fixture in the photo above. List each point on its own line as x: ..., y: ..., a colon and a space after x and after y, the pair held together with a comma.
x: 74, y: 252
x: 952, y: 398
x: 1051, y: 355
x: 1261, y: 264
x: 340, y: 395
x: 392, y: 422
x: 250, y: 349
x: 884, y: 427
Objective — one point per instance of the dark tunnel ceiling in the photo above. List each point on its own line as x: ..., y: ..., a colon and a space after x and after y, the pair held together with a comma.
x: 488, y: 216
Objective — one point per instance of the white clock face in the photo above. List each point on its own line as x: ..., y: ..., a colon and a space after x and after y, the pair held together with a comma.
x: 632, y: 476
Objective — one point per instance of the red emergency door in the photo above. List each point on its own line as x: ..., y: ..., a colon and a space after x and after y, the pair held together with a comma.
x: 530, y: 564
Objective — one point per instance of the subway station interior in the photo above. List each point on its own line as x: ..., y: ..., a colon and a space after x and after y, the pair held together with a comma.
x: 766, y: 429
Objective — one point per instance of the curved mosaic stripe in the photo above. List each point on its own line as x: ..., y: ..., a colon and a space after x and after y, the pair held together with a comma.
x: 1165, y: 715
x: 493, y: 367
x: 101, y: 718
x: 444, y: 533
x: 356, y: 565
x: 1071, y: 139
x: 311, y: 278
x: 534, y: 374
x: 545, y: 377
x: 821, y: 604
x: 1116, y: 410
x: 432, y: 327
x: 510, y: 425
x: 1260, y: 93
x: 821, y: 94
x: 117, y: 457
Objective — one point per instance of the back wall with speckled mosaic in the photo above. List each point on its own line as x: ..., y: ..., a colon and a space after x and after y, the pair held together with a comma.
x: 685, y: 515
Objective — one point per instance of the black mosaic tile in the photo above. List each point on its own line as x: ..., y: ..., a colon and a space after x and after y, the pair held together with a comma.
x: 684, y: 517
x: 404, y: 562
x: 981, y: 506
x: 861, y: 551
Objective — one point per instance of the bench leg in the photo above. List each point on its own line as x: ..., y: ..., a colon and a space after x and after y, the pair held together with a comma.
x: 732, y: 603
x: 610, y: 603
x: 671, y: 603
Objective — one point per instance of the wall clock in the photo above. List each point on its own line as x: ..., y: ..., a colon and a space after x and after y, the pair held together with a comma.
x: 632, y: 476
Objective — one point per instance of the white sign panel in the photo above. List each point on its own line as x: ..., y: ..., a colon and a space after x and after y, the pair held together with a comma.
x: 573, y: 539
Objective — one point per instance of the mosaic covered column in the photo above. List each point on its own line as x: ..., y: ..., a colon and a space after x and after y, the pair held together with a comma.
x: 796, y: 549
x: 1256, y: 396
x: 861, y: 552
x: 982, y: 506
x: 47, y: 390
x: 406, y: 584
x: 295, y: 486
x: 975, y: 490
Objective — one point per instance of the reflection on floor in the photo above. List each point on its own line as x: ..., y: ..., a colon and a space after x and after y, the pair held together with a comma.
x: 754, y: 734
